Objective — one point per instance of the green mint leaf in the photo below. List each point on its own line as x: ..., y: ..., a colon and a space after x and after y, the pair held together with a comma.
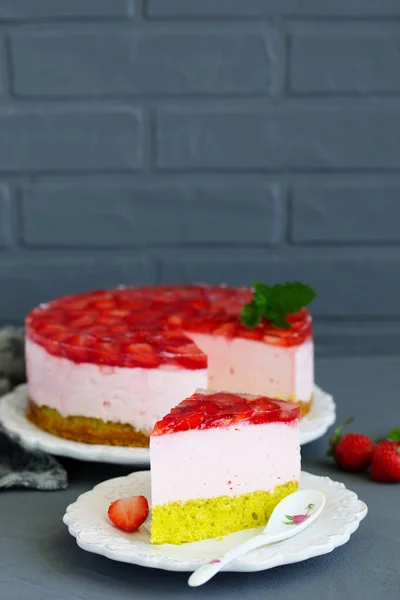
x: 291, y: 296
x: 394, y: 435
x: 276, y: 302
x: 277, y: 317
x: 251, y: 315
x: 261, y: 289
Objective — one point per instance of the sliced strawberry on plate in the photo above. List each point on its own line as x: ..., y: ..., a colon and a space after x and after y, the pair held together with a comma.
x: 130, y: 513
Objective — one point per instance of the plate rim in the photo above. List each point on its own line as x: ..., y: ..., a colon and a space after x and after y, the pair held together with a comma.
x: 37, y: 439
x: 240, y: 565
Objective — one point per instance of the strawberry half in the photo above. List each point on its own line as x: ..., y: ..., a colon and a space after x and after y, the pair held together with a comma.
x: 128, y: 514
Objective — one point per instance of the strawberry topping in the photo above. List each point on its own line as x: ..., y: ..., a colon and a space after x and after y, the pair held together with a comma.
x: 144, y: 327
x: 130, y: 513
x: 204, y: 410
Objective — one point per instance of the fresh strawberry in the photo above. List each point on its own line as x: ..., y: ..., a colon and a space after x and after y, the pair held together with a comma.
x: 386, y: 462
x: 352, y: 451
x: 129, y: 513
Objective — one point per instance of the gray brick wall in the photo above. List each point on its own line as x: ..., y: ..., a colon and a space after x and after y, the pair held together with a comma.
x: 156, y: 141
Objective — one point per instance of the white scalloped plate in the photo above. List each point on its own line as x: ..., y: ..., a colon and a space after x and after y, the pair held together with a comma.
x: 87, y: 521
x: 13, y: 419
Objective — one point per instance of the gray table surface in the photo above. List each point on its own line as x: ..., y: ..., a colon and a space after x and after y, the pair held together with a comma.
x: 39, y: 560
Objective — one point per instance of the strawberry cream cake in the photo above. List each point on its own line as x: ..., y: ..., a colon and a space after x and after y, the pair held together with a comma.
x: 234, y: 457
x: 104, y: 366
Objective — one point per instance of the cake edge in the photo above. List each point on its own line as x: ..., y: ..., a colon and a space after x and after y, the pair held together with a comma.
x: 206, y: 518
x: 88, y: 430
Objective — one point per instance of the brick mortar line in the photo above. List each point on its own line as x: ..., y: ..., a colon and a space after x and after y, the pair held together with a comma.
x: 207, y: 104
x: 155, y: 99
x: 285, y: 16
x: 144, y: 26
x: 158, y: 179
x: 19, y: 23
x: 270, y: 254
x: 279, y: 174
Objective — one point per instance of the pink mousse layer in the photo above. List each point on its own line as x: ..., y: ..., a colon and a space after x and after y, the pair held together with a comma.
x: 223, y: 461
x: 136, y: 396
x: 254, y: 367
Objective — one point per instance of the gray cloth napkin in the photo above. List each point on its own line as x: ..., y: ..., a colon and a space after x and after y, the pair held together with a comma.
x: 20, y: 468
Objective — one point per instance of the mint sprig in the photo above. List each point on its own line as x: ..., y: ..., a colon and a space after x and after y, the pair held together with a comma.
x: 394, y: 435
x: 275, y: 303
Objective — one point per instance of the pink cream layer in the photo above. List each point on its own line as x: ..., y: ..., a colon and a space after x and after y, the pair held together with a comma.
x: 223, y: 461
x: 256, y: 367
x: 136, y: 396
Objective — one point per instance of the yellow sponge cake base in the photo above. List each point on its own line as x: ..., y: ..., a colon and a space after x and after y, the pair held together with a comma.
x: 86, y: 429
x: 179, y: 522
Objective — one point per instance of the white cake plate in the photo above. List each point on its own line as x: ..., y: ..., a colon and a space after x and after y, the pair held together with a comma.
x: 87, y: 521
x: 14, y: 421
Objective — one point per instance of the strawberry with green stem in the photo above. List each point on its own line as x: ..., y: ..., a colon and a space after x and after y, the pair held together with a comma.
x: 351, y: 451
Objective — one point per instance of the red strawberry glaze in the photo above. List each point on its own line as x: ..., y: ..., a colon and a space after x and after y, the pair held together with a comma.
x: 144, y: 327
x: 222, y: 409
x: 230, y: 325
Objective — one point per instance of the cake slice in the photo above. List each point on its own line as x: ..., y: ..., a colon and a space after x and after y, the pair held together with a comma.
x: 220, y: 462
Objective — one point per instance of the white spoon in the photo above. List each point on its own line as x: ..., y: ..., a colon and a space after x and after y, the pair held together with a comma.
x: 291, y: 516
